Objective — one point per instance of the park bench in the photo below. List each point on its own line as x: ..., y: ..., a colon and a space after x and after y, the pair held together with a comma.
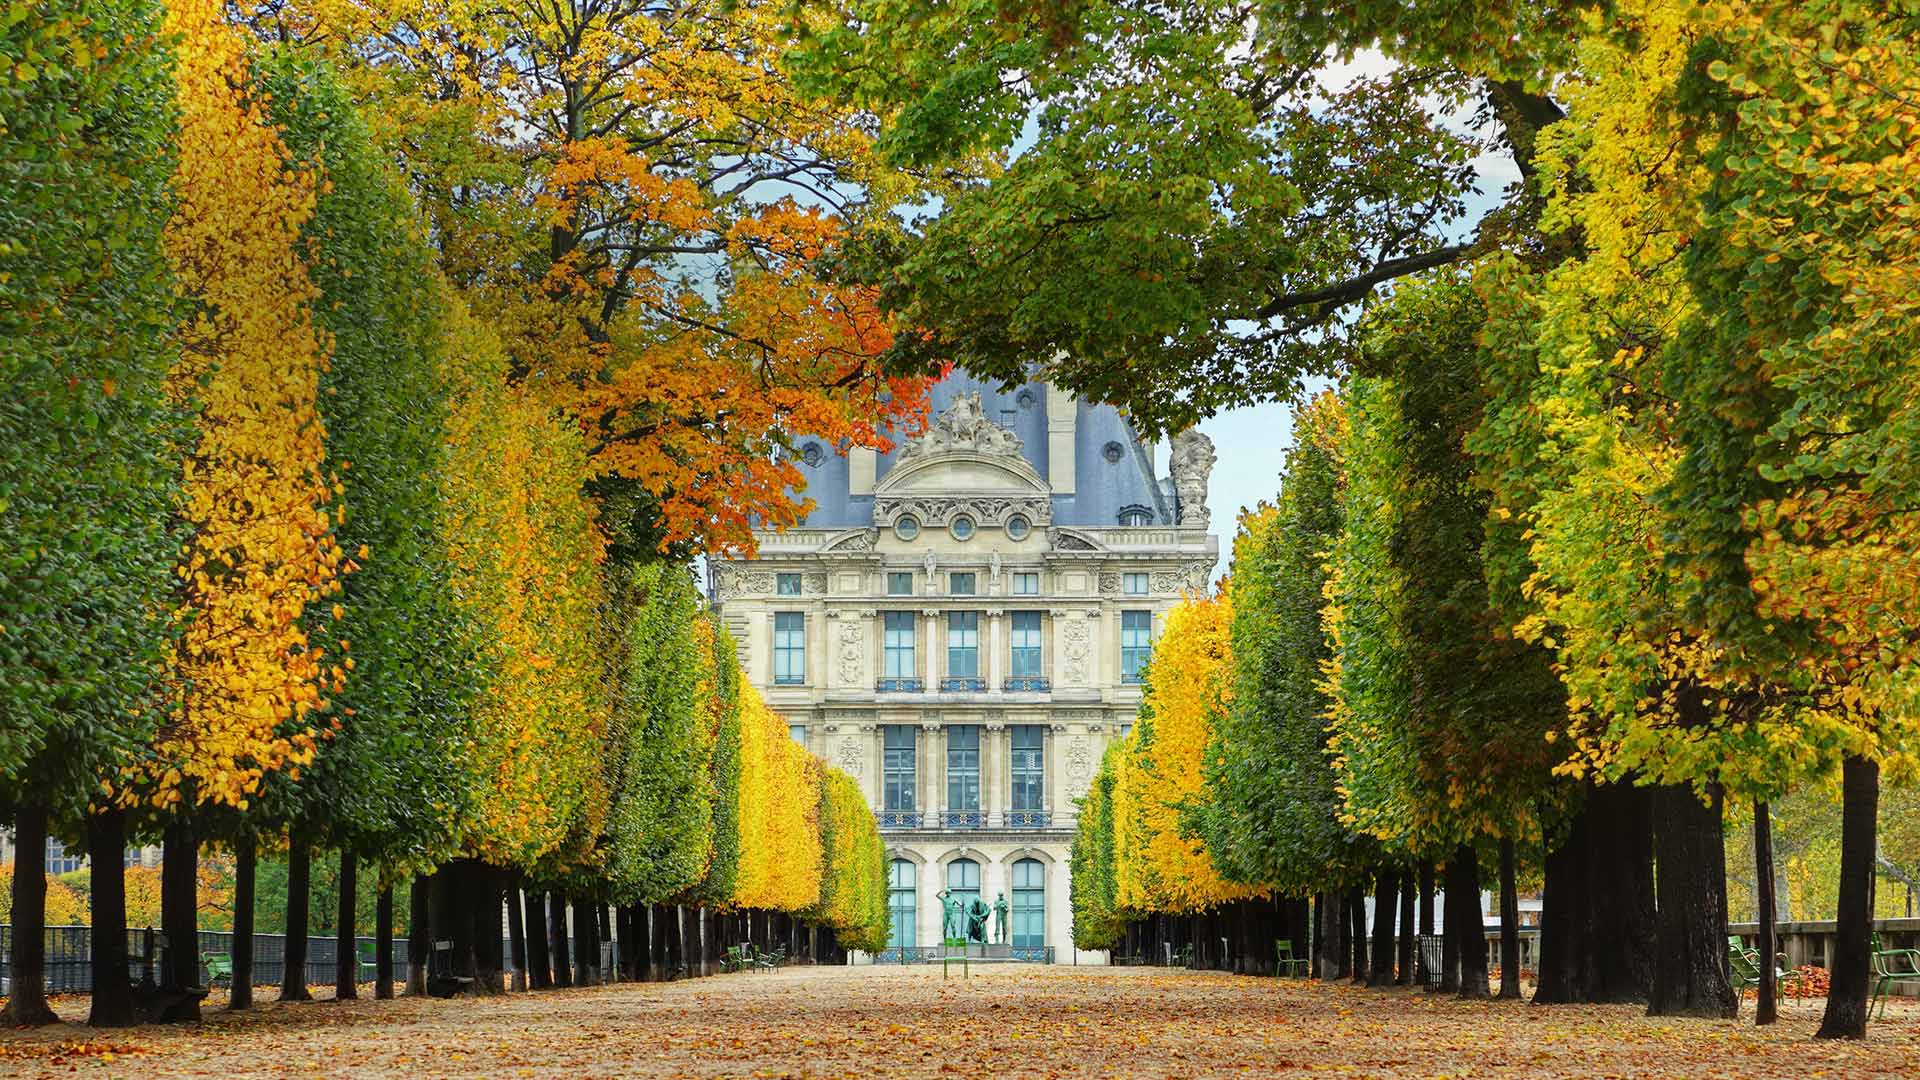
x: 1287, y: 964
x: 1892, y: 966
x: 1746, y: 970
x: 219, y: 968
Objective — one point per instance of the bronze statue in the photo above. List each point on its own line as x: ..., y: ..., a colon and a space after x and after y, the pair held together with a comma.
x: 954, y: 924
x: 1000, y: 918
x: 977, y: 913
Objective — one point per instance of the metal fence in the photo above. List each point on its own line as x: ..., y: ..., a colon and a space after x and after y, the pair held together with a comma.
x: 927, y: 954
x: 70, y: 957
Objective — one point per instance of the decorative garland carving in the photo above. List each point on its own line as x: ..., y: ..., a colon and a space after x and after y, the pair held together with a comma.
x: 940, y: 510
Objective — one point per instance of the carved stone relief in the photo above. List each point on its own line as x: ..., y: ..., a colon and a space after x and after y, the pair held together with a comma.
x: 964, y: 426
x: 852, y: 651
x: 1192, y: 465
x: 1078, y: 647
x: 939, y: 510
x: 734, y: 579
x: 1109, y: 584
x: 1079, y: 766
x: 852, y: 758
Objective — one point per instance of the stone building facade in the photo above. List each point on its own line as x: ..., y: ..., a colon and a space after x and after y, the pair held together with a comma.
x: 960, y: 624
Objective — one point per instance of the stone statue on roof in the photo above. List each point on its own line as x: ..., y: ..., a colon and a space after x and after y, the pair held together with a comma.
x: 964, y: 426
x: 1192, y: 465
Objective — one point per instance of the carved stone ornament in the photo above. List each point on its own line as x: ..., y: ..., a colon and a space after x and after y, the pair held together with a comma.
x: 735, y: 579
x: 1109, y: 584
x: 1079, y: 766
x: 1192, y: 465
x: 852, y: 758
x: 964, y: 426
x: 1198, y: 573
x: 853, y: 542
x: 814, y: 584
x: 852, y: 651
x: 1079, y: 644
x: 1063, y: 541
x: 940, y: 510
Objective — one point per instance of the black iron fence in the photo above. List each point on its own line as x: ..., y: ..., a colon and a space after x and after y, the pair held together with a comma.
x: 70, y: 957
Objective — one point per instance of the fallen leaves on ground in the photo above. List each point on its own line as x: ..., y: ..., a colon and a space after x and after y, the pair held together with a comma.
x: 1005, y: 1021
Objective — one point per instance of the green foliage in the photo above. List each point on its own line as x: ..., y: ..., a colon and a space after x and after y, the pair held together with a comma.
x: 87, y: 472
x: 1274, y: 815
x: 723, y: 863
x: 1098, y: 922
x: 388, y: 782
x: 853, y: 866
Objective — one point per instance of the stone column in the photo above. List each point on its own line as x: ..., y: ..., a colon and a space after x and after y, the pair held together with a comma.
x: 933, y: 755
x: 933, y: 649
x: 993, y: 767
x: 996, y: 630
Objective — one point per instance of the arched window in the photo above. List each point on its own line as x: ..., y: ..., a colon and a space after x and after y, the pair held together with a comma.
x: 963, y: 881
x: 1029, y: 904
x: 902, y: 877
x: 1136, y: 516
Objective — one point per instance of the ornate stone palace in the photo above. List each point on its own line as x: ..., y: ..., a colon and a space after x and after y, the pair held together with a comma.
x: 961, y: 624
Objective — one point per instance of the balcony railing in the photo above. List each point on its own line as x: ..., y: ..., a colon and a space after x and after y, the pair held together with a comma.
x: 898, y: 686
x: 963, y: 819
x: 1028, y: 684
x: 1029, y: 819
x: 976, y: 686
x: 898, y: 819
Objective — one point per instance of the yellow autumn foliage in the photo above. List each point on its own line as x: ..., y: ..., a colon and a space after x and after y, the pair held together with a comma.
x: 779, y: 813
x: 254, y: 491
x: 1162, y: 864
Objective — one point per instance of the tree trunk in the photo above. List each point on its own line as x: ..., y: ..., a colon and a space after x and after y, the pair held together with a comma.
x: 586, y: 951
x: 489, y: 934
x: 246, y: 862
x: 557, y: 926
x: 419, y: 933
x: 27, y: 1001
x: 180, y: 916
x: 1624, y: 920
x: 1509, y: 923
x: 1847, y: 999
x: 112, y: 989
x: 1463, y: 895
x: 1449, y: 938
x: 1316, y: 936
x: 1690, y: 954
x: 293, y: 981
x: 346, y: 947
x: 383, y: 943
x: 1357, y: 931
x: 516, y: 933
x: 1765, y: 918
x: 1386, y: 890
x: 539, y: 969
x: 1408, y: 897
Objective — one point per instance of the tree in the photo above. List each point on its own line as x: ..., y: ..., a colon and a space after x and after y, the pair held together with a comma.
x: 87, y: 473
x: 1098, y: 922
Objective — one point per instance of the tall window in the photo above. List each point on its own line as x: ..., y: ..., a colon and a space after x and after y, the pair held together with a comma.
x: 1133, y: 584
x: 1026, y: 644
x: 900, y: 583
x: 897, y: 767
x: 1029, y: 767
x: 798, y: 733
x: 1136, y: 517
x: 960, y: 584
x: 786, y: 584
x: 60, y: 860
x: 901, y: 909
x: 897, y: 645
x: 963, y: 881
x: 789, y: 648
x: 1029, y: 904
x: 963, y: 767
x: 963, y: 644
x: 1136, y: 643
x: 1026, y: 584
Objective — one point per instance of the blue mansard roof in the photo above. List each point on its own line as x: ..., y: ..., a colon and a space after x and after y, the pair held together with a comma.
x: 1102, y: 488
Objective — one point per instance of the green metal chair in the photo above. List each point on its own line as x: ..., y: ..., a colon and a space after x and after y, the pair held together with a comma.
x: 1287, y: 964
x: 1744, y: 965
x: 219, y: 968
x: 1891, y: 966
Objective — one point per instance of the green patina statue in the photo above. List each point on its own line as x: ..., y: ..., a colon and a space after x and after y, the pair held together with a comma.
x: 977, y: 913
x: 955, y: 922
x: 1000, y: 918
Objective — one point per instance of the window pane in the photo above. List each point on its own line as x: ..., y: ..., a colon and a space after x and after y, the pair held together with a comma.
x: 1136, y: 643
x: 787, y: 584
x: 1025, y: 638
x: 798, y: 733
x: 960, y: 584
x: 897, y: 767
x: 963, y: 768
x: 789, y: 647
x: 898, y: 644
x: 900, y: 583
x: 902, y: 878
x: 963, y: 644
x: 1026, y: 584
x: 1134, y: 584
x: 1029, y: 767
x: 1029, y: 914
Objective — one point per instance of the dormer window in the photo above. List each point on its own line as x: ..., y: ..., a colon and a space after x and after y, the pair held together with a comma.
x: 1135, y: 516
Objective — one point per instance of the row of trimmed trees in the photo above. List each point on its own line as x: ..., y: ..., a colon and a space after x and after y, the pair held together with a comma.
x: 298, y: 558
x: 1469, y: 646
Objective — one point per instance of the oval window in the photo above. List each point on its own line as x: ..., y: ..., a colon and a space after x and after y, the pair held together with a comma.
x: 907, y: 527
x: 1018, y: 528
x: 962, y: 528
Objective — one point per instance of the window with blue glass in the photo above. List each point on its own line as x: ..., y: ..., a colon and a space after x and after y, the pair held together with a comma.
x: 1026, y: 644
x: 963, y: 767
x: 789, y: 648
x: 786, y: 584
x: 961, y: 584
x: 1136, y: 644
x: 963, y: 881
x: 1133, y: 584
x: 897, y: 767
x: 61, y: 861
x: 1026, y: 584
x: 900, y: 583
x: 901, y: 909
x: 1029, y: 904
x: 963, y: 644
x: 1029, y: 767
x: 897, y: 645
